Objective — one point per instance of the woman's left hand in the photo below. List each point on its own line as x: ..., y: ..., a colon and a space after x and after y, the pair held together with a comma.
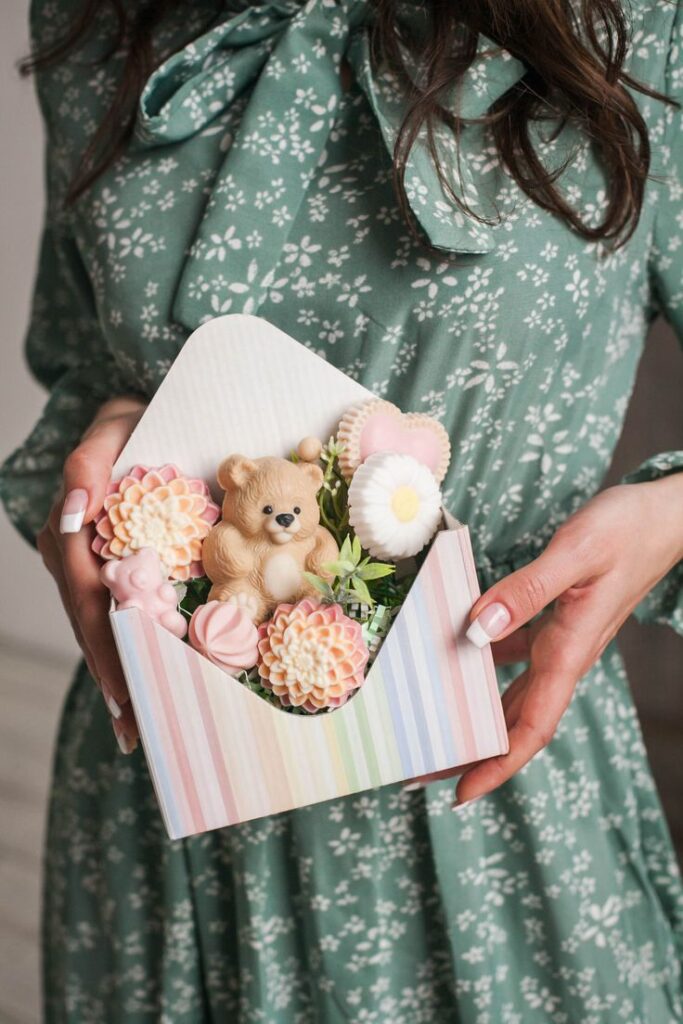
x: 599, y: 565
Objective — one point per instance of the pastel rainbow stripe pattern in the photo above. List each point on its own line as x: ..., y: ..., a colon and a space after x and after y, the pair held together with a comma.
x: 218, y: 754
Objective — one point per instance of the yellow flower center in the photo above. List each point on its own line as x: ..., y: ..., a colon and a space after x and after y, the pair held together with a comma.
x: 404, y: 503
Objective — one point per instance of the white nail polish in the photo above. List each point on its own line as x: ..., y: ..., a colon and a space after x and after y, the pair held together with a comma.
x: 114, y: 707
x: 126, y: 746
x: 71, y: 523
x: 477, y: 635
x: 489, y: 624
x: 73, y: 511
x: 458, y: 807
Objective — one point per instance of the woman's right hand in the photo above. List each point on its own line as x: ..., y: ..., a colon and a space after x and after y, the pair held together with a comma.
x: 66, y: 552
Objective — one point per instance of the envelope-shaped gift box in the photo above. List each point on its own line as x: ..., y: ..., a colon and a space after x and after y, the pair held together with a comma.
x: 217, y: 752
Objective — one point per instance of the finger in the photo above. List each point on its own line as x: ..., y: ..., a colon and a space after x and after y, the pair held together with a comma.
x: 90, y: 603
x: 536, y: 701
x: 512, y: 701
x: 87, y: 472
x: 529, y: 734
x: 512, y: 648
x: 522, y: 595
x: 125, y: 726
x: 513, y: 698
x: 127, y: 744
x: 517, y: 646
x: 52, y: 559
x: 446, y: 773
x: 126, y: 730
x: 51, y: 551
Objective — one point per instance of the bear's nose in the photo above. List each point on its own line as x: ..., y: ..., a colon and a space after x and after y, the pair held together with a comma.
x: 284, y: 519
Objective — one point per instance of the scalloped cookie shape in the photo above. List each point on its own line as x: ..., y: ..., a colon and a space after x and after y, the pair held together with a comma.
x: 380, y: 426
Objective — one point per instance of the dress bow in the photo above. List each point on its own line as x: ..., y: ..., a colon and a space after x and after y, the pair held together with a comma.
x: 289, y: 55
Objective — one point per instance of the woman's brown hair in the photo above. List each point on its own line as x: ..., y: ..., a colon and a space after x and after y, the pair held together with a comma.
x: 573, y: 52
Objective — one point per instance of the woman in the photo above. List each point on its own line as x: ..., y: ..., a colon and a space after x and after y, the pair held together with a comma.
x: 255, y: 170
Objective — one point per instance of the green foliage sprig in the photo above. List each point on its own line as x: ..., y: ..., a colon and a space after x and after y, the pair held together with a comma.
x: 351, y: 573
x: 196, y: 593
x: 333, y: 496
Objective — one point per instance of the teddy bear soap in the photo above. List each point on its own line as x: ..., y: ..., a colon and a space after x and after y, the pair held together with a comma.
x: 269, y: 534
x: 138, y: 581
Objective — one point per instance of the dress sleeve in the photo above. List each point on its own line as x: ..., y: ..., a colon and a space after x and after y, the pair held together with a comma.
x: 66, y: 352
x: 664, y: 604
x: 65, y: 345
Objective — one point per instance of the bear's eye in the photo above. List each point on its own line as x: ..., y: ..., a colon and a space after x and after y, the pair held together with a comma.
x: 267, y: 510
x: 297, y: 510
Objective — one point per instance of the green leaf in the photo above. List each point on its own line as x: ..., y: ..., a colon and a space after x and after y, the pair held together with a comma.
x: 375, y: 570
x: 357, y: 550
x: 322, y: 586
x: 345, y: 552
x: 339, y: 568
x: 196, y: 593
x: 359, y: 588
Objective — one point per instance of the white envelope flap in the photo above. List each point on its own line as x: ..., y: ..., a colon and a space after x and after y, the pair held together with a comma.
x: 238, y: 385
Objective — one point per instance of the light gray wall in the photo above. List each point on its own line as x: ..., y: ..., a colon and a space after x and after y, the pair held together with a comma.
x: 29, y: 610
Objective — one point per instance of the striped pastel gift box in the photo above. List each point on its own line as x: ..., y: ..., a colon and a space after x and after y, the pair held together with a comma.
x: 218, y: 754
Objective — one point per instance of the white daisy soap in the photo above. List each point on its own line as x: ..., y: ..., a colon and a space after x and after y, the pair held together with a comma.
x: 394, y: 505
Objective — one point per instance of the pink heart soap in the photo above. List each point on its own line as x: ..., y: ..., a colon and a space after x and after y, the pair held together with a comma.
x: 379, y: 426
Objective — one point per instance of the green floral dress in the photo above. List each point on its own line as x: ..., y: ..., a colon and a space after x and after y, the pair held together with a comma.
x: 255, y: 183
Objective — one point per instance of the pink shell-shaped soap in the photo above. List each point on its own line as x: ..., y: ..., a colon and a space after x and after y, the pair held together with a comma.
x: 225, y: 635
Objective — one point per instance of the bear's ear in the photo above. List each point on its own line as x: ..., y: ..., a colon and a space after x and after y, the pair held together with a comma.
x: 109, y: 572
x: 313, y: 473
x: 235, y: 471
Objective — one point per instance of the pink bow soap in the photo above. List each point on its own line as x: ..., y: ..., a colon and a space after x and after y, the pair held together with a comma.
x: 138, y: 581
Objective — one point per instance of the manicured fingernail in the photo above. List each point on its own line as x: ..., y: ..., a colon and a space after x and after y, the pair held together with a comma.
x: 489, y: 624
x: 114, y: 707
x: 126, y: 745
x: 73, y: 511
x: 459, y: 805
x: 412, y: 787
